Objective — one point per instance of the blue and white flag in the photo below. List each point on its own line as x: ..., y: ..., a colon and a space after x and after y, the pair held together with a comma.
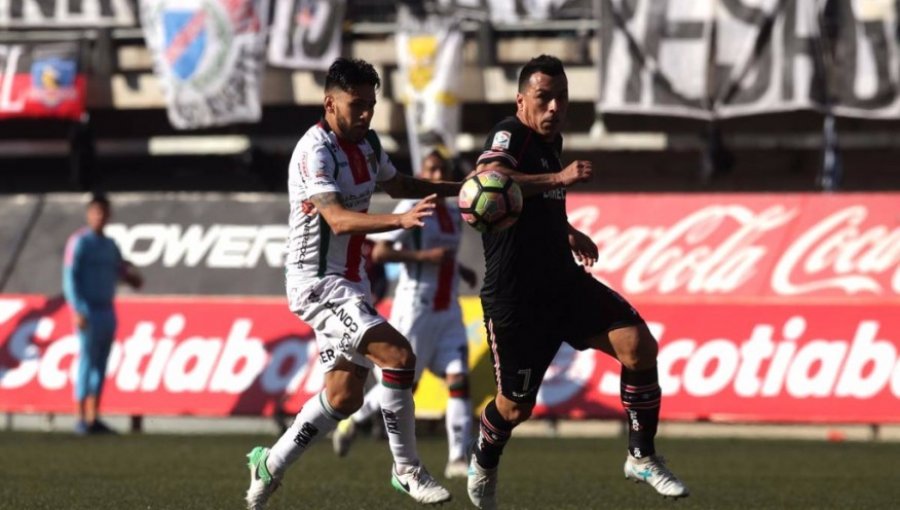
x: 209, y: 56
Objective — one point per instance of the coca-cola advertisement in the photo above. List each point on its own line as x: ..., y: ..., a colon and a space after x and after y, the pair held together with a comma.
x: 796, y: 246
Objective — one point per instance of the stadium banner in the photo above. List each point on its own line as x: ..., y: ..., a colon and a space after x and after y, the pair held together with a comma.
x: 306, y: 34
x: 511, y: 12
x: 209, y: 56
x: 782, y: 247
x: 717, y: 58
x: 67, y: 13
x: 218, y: 357
x: 41, y: 80
x: 183, y: 244
x: 429, y: 56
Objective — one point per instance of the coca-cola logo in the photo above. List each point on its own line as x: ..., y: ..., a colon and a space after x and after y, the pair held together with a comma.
x: 738, y: 249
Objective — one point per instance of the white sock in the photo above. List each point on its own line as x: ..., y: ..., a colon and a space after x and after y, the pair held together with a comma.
x: 399, y: 411
x: 371, y: 405
x: 459, y: 427
x: 316, y: 419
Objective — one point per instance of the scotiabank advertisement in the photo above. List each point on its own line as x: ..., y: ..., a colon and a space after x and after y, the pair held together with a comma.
x: 766, y: 308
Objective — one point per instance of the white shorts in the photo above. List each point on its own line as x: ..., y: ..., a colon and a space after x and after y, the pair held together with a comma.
x: 438, y: 338
x: 339, y: 311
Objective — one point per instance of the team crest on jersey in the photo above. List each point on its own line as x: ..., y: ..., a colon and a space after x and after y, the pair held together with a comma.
x: 501, y: 140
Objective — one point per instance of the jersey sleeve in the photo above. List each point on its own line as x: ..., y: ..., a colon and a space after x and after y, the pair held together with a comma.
x: 386, y: 169
x: 505, y: 144
x: 398, y: 235
x: 317, y: 171
x: 72, y: 269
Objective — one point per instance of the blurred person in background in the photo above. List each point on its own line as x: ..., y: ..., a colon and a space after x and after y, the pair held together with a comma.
x: 426, y: 311
x: 536, y: 296
x: 331, y: 178
x: 92, y: 267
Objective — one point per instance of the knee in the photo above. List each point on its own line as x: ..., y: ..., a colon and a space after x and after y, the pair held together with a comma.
x: 401, y: 357
x: 639, y: 353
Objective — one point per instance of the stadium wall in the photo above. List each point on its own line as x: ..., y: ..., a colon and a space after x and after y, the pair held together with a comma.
x: 771, y: 307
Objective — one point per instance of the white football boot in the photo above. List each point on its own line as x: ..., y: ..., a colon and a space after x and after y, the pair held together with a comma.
x: 482, y: 486
x: 343, y: 436
x: 418, y: 484
x: 262, y: 483
x: 652, y: 470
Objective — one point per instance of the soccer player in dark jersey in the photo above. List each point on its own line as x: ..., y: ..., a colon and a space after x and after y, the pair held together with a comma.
x: 535, y: 294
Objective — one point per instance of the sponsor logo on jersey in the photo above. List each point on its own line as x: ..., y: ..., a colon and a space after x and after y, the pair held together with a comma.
x: 501, y: 140
x: 555, y: 194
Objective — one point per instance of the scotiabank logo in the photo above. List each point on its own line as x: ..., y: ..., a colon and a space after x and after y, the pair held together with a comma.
x: 825, y: 362
x: 213, y: 246
x: 771, y: 245
x: 209, y: 350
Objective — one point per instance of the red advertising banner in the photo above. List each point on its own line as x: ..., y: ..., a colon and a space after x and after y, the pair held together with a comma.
x: 821, y: 363
x: 793, y: 246
x: 41, y: 80
x: 767, y: 308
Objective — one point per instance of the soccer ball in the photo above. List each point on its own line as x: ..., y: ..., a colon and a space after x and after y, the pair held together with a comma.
x: 490, y: 201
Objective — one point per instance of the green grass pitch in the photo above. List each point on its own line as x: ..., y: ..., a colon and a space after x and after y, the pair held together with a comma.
x: 149, y: 472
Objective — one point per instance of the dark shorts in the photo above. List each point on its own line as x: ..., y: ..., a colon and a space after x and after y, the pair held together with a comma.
x: 524, y: 337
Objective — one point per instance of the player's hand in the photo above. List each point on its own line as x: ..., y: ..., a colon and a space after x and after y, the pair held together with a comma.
x: 81, y: 321
x: 577, y: 171
x: 413, y: 218
x: 436, y: 255
x: 468, y: 276
x: 583, y: 247
x: 308, y: 208
x: 132, y: 276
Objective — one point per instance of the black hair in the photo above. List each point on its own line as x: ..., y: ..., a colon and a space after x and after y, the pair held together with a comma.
x: 345, y: 74
x: 99, y: 199
x: 546, y: 64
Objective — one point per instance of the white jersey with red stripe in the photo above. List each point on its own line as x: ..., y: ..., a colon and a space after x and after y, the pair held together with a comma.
x: 422, y: 285
x: 323, y: 163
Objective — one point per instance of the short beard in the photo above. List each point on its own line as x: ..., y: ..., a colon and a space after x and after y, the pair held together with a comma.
x: 346, y: 129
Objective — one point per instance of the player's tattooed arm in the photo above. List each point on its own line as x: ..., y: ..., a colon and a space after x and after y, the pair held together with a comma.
x: 345, y: 221
x: 404, y: 186
x: 534, y: 184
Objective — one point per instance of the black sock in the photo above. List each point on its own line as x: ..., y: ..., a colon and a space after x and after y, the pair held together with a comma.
x: 495, y: 432
x: 640, y: 398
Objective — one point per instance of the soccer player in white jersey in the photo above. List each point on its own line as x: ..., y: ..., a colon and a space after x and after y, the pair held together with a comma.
x: 331, y: 178
x: 426, y: 311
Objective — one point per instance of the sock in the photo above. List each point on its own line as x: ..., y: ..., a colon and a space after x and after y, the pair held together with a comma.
x: 640, y: 398
x: 495, y: 432
x: 316, y: 419
x: 371, y: 405
x: 399, y: 412
x: 459, y: 421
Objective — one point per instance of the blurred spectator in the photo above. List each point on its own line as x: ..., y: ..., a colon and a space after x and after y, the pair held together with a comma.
x: 92, y: 265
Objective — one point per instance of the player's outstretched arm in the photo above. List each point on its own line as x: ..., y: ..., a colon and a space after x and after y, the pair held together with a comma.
x: 404, y: 186
x: 344, y: 221
x: 534, y: 184
x: 384, y: 251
